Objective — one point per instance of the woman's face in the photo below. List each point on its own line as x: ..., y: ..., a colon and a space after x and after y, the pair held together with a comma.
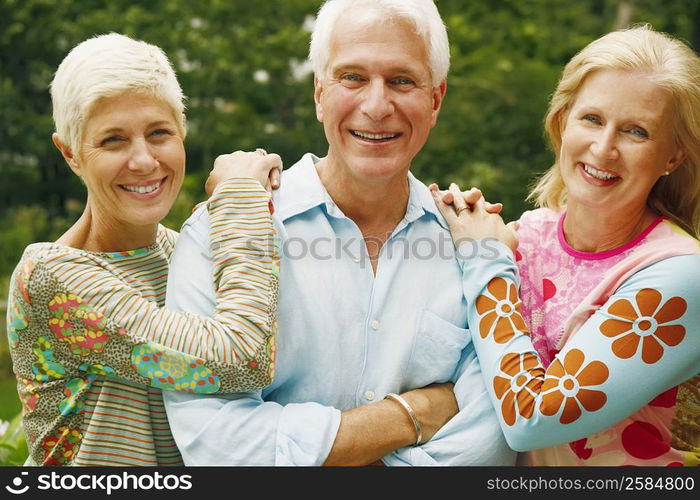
x: 617, y: 141
x: 132, y: 160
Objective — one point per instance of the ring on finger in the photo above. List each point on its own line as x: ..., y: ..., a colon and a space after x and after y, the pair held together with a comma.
x: 261, y: 151
x: 459, y: 210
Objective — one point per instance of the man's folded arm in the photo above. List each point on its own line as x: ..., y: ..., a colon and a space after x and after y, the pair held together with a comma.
x: 472, y: 437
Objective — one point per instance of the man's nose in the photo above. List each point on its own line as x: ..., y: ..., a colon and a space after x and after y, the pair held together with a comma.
x: 377, y: 103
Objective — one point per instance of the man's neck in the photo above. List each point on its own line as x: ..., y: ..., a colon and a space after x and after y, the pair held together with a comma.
x: 368, y: 202
x: 375, y: 205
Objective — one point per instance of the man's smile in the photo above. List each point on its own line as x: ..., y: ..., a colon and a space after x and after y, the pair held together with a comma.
x: 375, y: 137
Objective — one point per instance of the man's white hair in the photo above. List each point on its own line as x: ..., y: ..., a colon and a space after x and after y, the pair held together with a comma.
x: 422, y: 14
x: 106, y: 66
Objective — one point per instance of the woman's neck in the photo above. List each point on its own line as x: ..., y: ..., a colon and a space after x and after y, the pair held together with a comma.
x: 597, y: 231
x: 99, y: 234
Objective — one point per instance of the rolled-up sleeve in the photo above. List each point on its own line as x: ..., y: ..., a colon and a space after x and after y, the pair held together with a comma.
x: 242, y: 429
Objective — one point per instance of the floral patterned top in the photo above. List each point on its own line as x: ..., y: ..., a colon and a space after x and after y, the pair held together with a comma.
x: 92, y: 345
x: 579, y: 403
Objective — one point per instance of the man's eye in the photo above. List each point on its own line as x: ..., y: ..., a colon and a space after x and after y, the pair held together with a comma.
x: 161, y: 131
x: 352, y: 78
x: 402, y: 81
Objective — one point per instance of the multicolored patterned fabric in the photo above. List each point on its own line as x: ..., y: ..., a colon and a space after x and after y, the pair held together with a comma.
x: 584, y: 390
x: 92, y: 346
x: 172, y: 370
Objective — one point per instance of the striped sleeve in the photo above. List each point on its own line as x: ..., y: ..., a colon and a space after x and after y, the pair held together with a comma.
x: 246, y: 264
x: 98, y: 319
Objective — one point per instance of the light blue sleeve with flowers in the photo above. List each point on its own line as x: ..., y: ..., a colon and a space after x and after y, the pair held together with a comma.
x: 641, y: 342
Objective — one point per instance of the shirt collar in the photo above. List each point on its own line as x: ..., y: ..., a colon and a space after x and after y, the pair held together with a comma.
x: 420, y: 202
x: 301, y: 190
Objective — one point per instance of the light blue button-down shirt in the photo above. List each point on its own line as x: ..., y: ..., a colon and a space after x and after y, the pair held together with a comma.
x: 346, y: 338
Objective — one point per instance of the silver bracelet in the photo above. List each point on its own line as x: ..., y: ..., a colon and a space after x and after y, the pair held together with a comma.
x: 411, y: 413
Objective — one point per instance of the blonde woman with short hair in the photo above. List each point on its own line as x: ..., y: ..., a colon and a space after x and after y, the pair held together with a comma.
x: 91, y: 343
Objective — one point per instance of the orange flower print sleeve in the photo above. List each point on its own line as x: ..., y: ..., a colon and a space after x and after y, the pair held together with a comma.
x: 641, y: 342
x: 645, y: 325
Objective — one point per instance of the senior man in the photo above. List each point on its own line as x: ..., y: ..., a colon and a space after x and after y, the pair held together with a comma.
x: 371, y: 300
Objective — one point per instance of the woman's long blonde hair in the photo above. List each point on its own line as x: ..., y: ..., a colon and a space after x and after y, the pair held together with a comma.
x: 672, y: 65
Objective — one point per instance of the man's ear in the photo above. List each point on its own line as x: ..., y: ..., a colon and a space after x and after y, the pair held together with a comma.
x: 67, y: 153
x: 438, y: 97
x: 318, y: 91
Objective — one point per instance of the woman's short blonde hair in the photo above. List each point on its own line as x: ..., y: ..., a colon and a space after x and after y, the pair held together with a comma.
x: 106, y: 66
x: 672, y: 65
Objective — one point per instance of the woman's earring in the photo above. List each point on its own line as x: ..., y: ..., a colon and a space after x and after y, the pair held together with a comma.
x: 667, y: 172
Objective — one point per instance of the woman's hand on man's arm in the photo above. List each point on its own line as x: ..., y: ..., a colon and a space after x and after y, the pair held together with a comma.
x: 258, y: 165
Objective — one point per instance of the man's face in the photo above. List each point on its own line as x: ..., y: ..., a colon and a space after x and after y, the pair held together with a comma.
x: 376, y: 100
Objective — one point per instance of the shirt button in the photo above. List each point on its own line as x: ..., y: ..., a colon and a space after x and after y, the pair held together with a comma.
x: 374, y: 324
x: 369, y: 395
x: 356, y: 258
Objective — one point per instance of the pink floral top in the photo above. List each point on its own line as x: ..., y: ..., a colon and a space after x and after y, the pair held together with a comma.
x: 555, y: 278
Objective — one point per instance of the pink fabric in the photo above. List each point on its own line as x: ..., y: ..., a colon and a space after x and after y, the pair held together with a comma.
x: 553, y: 280
x: 560, y: 289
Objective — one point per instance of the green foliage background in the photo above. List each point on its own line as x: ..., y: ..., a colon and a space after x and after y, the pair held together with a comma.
x: 242, y: 65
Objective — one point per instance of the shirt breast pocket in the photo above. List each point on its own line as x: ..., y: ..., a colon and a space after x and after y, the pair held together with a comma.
x: 437, y: 349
